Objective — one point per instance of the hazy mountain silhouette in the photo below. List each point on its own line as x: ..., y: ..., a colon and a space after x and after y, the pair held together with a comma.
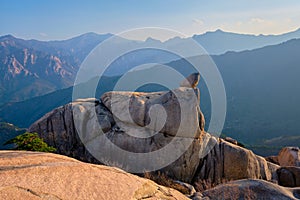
x: 219, y: 42
x: 32, y: 68
x: 262, y: 87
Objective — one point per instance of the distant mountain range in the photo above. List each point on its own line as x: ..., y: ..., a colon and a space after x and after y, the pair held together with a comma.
x: 262, y: 84
x: 31, y: 68
x: 219, y: 42
x: 7, y: 132
x: 262, y: 87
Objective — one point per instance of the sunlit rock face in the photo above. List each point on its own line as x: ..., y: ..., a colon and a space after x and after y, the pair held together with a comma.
x: 168, y: 125
x: 159, y: 131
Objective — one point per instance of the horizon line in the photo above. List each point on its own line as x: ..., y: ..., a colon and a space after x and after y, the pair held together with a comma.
x: 149, y: 37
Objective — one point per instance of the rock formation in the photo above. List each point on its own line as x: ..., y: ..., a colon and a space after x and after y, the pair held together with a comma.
x: 191, y: 81
x: 58, y: 130
x: 289, y: 156
x: 289, y: 176
x: 147, y: 123
x: 272, y: 159
x: 153, y: 121
x: 33, y: 175
x: 289, y: 171
x: 249, y: 189
x: 226, y: 162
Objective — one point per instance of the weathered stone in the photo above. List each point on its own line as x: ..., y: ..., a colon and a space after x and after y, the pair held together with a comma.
x: 273, y: 170
x: 191, y: 81
x: 226, y: 162
x: 239, y: 163
x: 175, y: 113
x: 231, y: 140
x: 15, y: 192
x: 74, y: 130
x: 88, y: 100
x: 168, y: 126
x: 272, y: 159
x: 265, y: 170
x: 289, y: 176
x: 199, y: 196
x: 289, y: 156
x: 57, y: 127
x: 251, y: 190
x: 33, y: 175
x: 187, y: 187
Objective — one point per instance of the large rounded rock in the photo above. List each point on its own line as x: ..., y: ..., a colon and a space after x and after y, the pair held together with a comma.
x: 167, y: 127
x: 289, y: 176
x: 289, y: 156
x: 191, y: 81
x: 57, y: 127
x: 29, y: 175
x: 239, y: 163
x: 251, y: 190
x: 175, y: 113
x: 76, y: 130
x: 226, y: 162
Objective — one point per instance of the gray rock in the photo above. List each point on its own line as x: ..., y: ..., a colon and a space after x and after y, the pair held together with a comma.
x: 199, y: 196
x: 146, y: 123
x: 36, y: 175
x: 289, y: 176
x: 231, y: 140
x: 188, y: 187
x: 191, y: 81
x: 226, y: 162
x: 272, y: 159
x: 289, y: 156
x: 58, y: 129
x: 174, y: 113
x: 251, y: 189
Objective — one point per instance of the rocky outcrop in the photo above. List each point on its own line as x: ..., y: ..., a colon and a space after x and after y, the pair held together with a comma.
x: 231, y: 140
x: 58, y: 130
x: 174, y: 113
x: 153, y: 121
x: 122, y: 127
x: 272, y: 159
x: 289, y: 156
x: 32, y: 175
x: 249, y: 189
x: 191, y: 81
x: 226, y: 162
x: 289, y: 176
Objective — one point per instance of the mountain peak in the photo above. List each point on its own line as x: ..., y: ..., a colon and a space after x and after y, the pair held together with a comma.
x: 7, y: 37
x: 219, y: 31
x: 150, y: 39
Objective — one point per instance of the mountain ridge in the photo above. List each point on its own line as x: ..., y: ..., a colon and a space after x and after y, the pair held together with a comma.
x: 252, y: 95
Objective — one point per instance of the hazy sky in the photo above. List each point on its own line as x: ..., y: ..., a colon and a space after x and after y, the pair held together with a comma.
x: 61, y: 19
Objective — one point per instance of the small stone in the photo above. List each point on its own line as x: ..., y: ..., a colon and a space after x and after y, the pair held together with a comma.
x: 191, y: 81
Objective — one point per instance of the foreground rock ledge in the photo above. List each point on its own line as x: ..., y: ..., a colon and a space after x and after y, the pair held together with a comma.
x: 33, y: 175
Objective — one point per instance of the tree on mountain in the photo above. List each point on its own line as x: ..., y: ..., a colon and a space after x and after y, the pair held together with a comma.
x: 30, y: 142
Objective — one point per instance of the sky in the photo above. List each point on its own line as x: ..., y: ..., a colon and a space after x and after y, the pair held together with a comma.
x: 62, y: 19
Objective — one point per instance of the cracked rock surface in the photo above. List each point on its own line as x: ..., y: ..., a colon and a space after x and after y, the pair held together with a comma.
x: 33, y: 175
